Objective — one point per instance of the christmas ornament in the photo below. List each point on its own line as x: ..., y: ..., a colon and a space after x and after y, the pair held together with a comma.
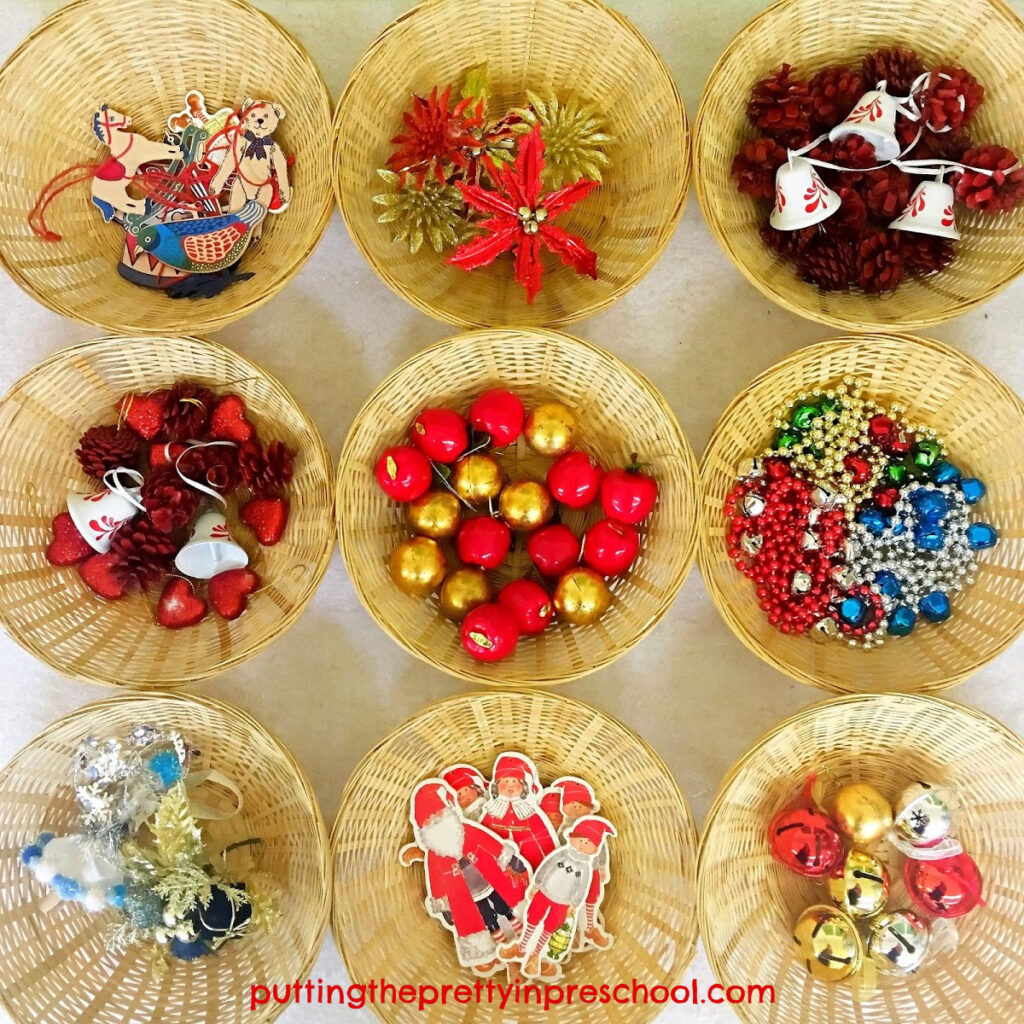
x: 929, y: 212
x: 804, y: 838
x: 490, y: 632
x: 575, y: 479
x: 999, y: 190
x: 950, y: 98
x: 99, y: 516
x: 881, y: 265
x: 229, y: 421
x: 101, y: 449
x: 267, y: 518
x: 950, y: 887
x: 550, y: 429
x: 628, y: 495
x: 230, y: 591
x: 553, y: 549
x: 802, y: 198
x: 755, y: 165
x: 477, y: 478
x: 187, y: 410
x: 862, y: 813
x: 102, y: 574
x: 403, y: 473
x: 898, y: 942
x: 898, y: 67
x: 873, y: 118
x: 68, y: 546
x: 462, y: 591
x: 526, y: 505
x: 828, y: 943
x: 860, y: 886
x: 179, y: 605
x: 610, y: 547
x: 483, y: 542
x: 436, y: 514
x: 581, y: 597
x: 500, y: 414
x: 441, y: 434
x: 430, y: 212
x: 168, y: 501
x: 417, y: 566
x: 266, y: 472
x: 210, y: 550
x: 834, y: 93
x: 781, y: 106
x: 923, y: 814
x: 529, y: 603
x: 142, y: 553
x: 143, y: 413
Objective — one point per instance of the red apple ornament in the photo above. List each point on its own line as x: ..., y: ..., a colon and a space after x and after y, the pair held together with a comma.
x: 804, y: 838
x: 610, y: 547
x: 553, y: 549
x: 483, y: 541
x: 950, y: 887
x: 403, y: 473
x: 628, y: 495
x: 575, y: 479
x: 440, y: 434
x: 500, y: 414
x: 490, y: 632
x: 529, y: 603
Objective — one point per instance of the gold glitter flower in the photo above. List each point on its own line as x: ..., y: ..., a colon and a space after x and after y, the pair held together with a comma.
x: 432, y: 213
x: 574, y: 139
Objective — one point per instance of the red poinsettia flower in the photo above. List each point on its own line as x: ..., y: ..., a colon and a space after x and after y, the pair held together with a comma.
x: 521, y: 219
x: 436, y: 136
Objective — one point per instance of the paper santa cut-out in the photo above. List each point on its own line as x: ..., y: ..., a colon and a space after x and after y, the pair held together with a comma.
x: 513, y: 810
x: 470, y: 789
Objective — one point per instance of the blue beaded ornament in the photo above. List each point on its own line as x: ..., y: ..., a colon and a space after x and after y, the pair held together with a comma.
x: 981, y: 536
x: 873, y: 520
x: 902, y: 621
x: 929, y: 537
x: 935, y: 607
x: 888, y: 583
x: 972, y: 489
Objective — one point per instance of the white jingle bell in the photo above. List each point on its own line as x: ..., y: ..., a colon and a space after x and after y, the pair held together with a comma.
x: 874, y: 120
x: 99, y: 516
x: 802, y: 199
x: 210, y: 550
x: 929, y: 212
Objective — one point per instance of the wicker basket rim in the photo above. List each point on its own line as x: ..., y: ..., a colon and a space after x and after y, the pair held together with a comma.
x: 718, y: 232
x: 665, y: 232
x: 243, y: 717
x: 317, y: 234
x: 315, y: 440
x: 692, y: 475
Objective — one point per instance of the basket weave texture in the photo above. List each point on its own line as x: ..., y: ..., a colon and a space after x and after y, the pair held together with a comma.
x: 50, y: 611
x: 749, y: 902
x: 83, y: 56
x: 378, y: 919
x: 568, y: 47
x: 982, y: 422
x: 619, y: 413
x: 984, y: 36
x: 54, y: 968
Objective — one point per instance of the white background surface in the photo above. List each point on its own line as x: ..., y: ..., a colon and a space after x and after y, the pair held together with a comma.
x: 335, y: 684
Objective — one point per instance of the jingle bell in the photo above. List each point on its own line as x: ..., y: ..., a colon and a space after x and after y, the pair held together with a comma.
x: 946, y: 888
x: 923, y: 815
x: 99, y: 516
x: 801, y: 197
x: 861, y: 886
x: 862, y: 813
x: 805, y: 839
x: 898, y: 942
x: 874, y: 120
x: 828, y: 943
x: 210, y: 549
x: 929, y: 212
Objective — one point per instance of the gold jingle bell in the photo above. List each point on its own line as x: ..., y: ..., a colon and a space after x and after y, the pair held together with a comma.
x: 477, y: 478
x: 861, y: 887
x: 828, y: 943
x: 464, y: 590
x: 526, y: 505
x: 898, y: 942
x: 550, y: 429
x: 923, y: 814
x: 581, y: 597
x: 862, y: 813
x: 417, y: 566
x: 436, y: 514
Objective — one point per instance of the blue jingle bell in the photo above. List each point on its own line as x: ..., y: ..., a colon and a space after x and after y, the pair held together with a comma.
x: 902, y: 621
x: 929, y: 537
x: 944, y: 473
x: 935, y: 606
x: 981, y: 536
x: 872, y: 519
x: 888, y: 583
x: 898, y: 527
x: 972, y: 489
x: 853, y: 610
x: 931, y: 506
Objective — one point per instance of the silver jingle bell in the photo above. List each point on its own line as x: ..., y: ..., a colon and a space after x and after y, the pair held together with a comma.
x: 898, y: 942
x: 752, y: 543
x: 801, y: 582
x: 923, y: 814
x: 825, y: 629
x: 749, y: 467
x: 809, y: 541
x: 753, y: 505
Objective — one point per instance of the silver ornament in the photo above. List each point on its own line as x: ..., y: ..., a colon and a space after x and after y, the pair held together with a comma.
x: 801, y: 582
x: 923, y: 814
x: 752, y: 543
x: 898, y: 942
x: 749, y: 467
x: 825, y: 629
x: 809, y: 541
x: 753, y: 505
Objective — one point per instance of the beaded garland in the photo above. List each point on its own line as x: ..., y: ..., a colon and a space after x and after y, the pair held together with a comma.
x: 853, y: 523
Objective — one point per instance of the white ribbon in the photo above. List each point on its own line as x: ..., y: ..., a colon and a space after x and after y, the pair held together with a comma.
x: 203, y: 488
x: 113, y: 484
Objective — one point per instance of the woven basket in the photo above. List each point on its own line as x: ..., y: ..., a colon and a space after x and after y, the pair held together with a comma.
x: 50, y: 611
x: 54, y: 968
x: 748, y: 902
x: 619, y: 413
x: 570, y: 47
x: 141, y: 57
x: 378, y: 920
x: 984, y: 36
x: 983, y: 424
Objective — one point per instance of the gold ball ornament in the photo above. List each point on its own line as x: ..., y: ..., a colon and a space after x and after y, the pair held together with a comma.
x: 477, y: 478
x: 828, y: 943
x: 417, y: 566
x: 862, y: 886
x: 464, y: 590
x: 526, y: 505
x: 862, y: 813
x: 550, y: 429
x: 436, y: 514
x: 581, y: 597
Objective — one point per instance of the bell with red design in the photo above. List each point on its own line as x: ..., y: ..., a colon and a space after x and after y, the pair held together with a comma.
x: 929, y: 212
x: 802, y: 199
x: 804, y: 838
x: 950, y: 887
x: 874, y: 120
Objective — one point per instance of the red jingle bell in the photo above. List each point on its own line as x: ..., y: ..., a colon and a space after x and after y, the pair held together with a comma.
x: 805, y: 839
x: 886, y: 497
x: 858, y: 467
x: 881, y: 429
x: 950, y: 887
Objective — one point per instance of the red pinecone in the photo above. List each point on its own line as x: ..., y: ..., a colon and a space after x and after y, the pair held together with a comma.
x: 755, y: 165
x: 215, y: 465
x: 834, y: 93
x: 788, y: 243
x: 950, y: 98
x: 830, y: 263
x: 104, y: 448
x: 990, y: 193
x: 848, y: 221
x: 266, y: 473
x: 144, y: 553
x: 943, y: 146
x: 897, y: 67
x: 880, y: 263
x: 170, y: 502
x: 854, y: 152
x: 886, y: 191
x: 924, y: 254
x: 780, y: 105
x: 187, y: 411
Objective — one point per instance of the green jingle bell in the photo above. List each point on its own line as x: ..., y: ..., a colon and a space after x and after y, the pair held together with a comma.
x: 861, y: 886
x: 896, y: 473
x: 804, y: 415
x: 926, y: 453
x: 828, y: 943
x: 898, y: 942
x: 785, y: 440
x: 923, y: 814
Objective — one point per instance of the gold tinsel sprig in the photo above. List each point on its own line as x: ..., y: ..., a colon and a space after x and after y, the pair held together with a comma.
x: 433, y: 213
